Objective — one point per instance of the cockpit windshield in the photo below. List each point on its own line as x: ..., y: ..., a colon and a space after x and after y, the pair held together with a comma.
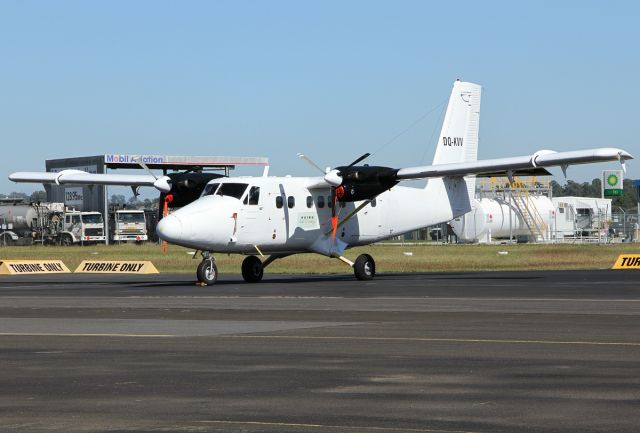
x: 210, y: 189
x: 235, y: 190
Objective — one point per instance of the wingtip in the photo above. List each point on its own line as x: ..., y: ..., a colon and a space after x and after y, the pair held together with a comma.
x: 625, y: 155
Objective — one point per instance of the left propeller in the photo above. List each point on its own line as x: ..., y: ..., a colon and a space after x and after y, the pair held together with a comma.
x: 178, y: 189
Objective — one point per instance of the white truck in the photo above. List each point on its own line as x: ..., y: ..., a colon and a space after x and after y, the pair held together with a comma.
x: 82, y: 227
x: 128, y: 225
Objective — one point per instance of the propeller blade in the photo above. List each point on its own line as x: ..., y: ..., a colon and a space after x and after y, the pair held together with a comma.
x: 310, y: 161
x: 143, y: 165
x: 350, y: 215
x: 165, y: 211
x: 334, y: 218
x: 365, y: 156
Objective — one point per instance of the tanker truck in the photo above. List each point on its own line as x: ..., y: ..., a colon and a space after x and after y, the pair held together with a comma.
x: 48, y: 223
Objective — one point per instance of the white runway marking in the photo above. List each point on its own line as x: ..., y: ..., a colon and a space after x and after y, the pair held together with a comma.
x: 147, y: 327
x: 331, y: 427
x: 428, y: 339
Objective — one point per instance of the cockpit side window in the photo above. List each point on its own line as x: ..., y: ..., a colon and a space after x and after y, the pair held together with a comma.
x: 254, y: 195
x: 210, y: 189
x: 235, y: 190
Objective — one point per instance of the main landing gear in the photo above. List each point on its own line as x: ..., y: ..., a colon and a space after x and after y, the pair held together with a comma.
x: 252, y: 269
x: 364, y: 268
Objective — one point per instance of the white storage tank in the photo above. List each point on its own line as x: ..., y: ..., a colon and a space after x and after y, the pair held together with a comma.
x: 499, y: 219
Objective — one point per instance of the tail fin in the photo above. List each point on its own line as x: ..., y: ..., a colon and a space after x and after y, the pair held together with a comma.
x: 458, y: 141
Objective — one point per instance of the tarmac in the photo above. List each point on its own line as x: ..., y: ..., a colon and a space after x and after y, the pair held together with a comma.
x: 549, y: 351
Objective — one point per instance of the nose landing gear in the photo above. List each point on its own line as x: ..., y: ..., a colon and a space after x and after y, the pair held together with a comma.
x: 207, y: 272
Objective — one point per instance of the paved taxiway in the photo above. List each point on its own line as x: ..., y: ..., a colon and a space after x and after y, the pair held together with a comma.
x: 479, y: 352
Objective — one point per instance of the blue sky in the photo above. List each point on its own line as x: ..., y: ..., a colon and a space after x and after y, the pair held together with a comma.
x: 330, y: 79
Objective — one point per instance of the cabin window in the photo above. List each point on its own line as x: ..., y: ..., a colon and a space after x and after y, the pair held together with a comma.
x: 279, y: 202
x: 320, y: 201
x: 309, y: 201
x: 373, y: 203
x: 291, y: 201
x: 329, y: 202
x: 254, y: 195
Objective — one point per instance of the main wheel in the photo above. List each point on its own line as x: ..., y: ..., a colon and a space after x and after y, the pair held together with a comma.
x: 252, y: 269
x: 207, y: 272
x: 364, y: 267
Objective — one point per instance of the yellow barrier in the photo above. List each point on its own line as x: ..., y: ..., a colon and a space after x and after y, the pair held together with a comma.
x: 116, y: 267
x: 20, y: 267
x: 627, y: 261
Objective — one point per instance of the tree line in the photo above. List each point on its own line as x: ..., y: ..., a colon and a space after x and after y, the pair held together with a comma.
x: 628, y: 201
x: 118, y: 199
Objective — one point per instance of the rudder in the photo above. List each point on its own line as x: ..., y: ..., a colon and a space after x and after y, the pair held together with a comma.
x: 458, y: 141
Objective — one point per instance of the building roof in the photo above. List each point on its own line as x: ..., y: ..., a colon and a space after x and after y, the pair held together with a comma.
x: 178, y: 162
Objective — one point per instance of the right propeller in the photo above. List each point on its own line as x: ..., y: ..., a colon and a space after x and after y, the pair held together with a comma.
x: 353, y: 182
x: 360, y: 182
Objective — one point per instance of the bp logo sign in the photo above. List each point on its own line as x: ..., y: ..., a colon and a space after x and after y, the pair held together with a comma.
x: 612, y: 183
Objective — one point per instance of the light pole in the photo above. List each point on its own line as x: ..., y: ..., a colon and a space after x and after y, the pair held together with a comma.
x: 624, y: 222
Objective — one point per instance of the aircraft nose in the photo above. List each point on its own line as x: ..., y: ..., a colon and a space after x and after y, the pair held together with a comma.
x: 169, y: 228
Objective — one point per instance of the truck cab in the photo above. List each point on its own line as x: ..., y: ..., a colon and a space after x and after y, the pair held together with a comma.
x: 81, y: 227
x: 129, y: 225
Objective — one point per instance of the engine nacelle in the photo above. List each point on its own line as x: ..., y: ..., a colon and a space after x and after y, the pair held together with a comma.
x: 365, y: 182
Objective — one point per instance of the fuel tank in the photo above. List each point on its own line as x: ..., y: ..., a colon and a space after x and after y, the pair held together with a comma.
x: 21, y: 216
x: 499, y: 219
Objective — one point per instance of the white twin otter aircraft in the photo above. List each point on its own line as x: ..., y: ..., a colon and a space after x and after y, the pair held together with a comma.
x: 347, y: 206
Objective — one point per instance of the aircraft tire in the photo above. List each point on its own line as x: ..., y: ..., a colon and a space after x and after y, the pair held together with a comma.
x: 207, y: 272
x: 252, y: 269
x: 364, y: 267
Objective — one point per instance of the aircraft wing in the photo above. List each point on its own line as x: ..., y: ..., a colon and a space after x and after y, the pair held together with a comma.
x: 514, y: 165
x: 78, y: 177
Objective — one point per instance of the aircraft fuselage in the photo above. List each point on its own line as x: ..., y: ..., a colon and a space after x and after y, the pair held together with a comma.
x: 283, y: 215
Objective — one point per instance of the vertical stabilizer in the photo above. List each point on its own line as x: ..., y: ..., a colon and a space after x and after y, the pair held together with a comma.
x: 458, y: 141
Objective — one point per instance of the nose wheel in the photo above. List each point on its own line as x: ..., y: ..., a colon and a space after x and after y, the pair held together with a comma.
x: 207, y: 272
